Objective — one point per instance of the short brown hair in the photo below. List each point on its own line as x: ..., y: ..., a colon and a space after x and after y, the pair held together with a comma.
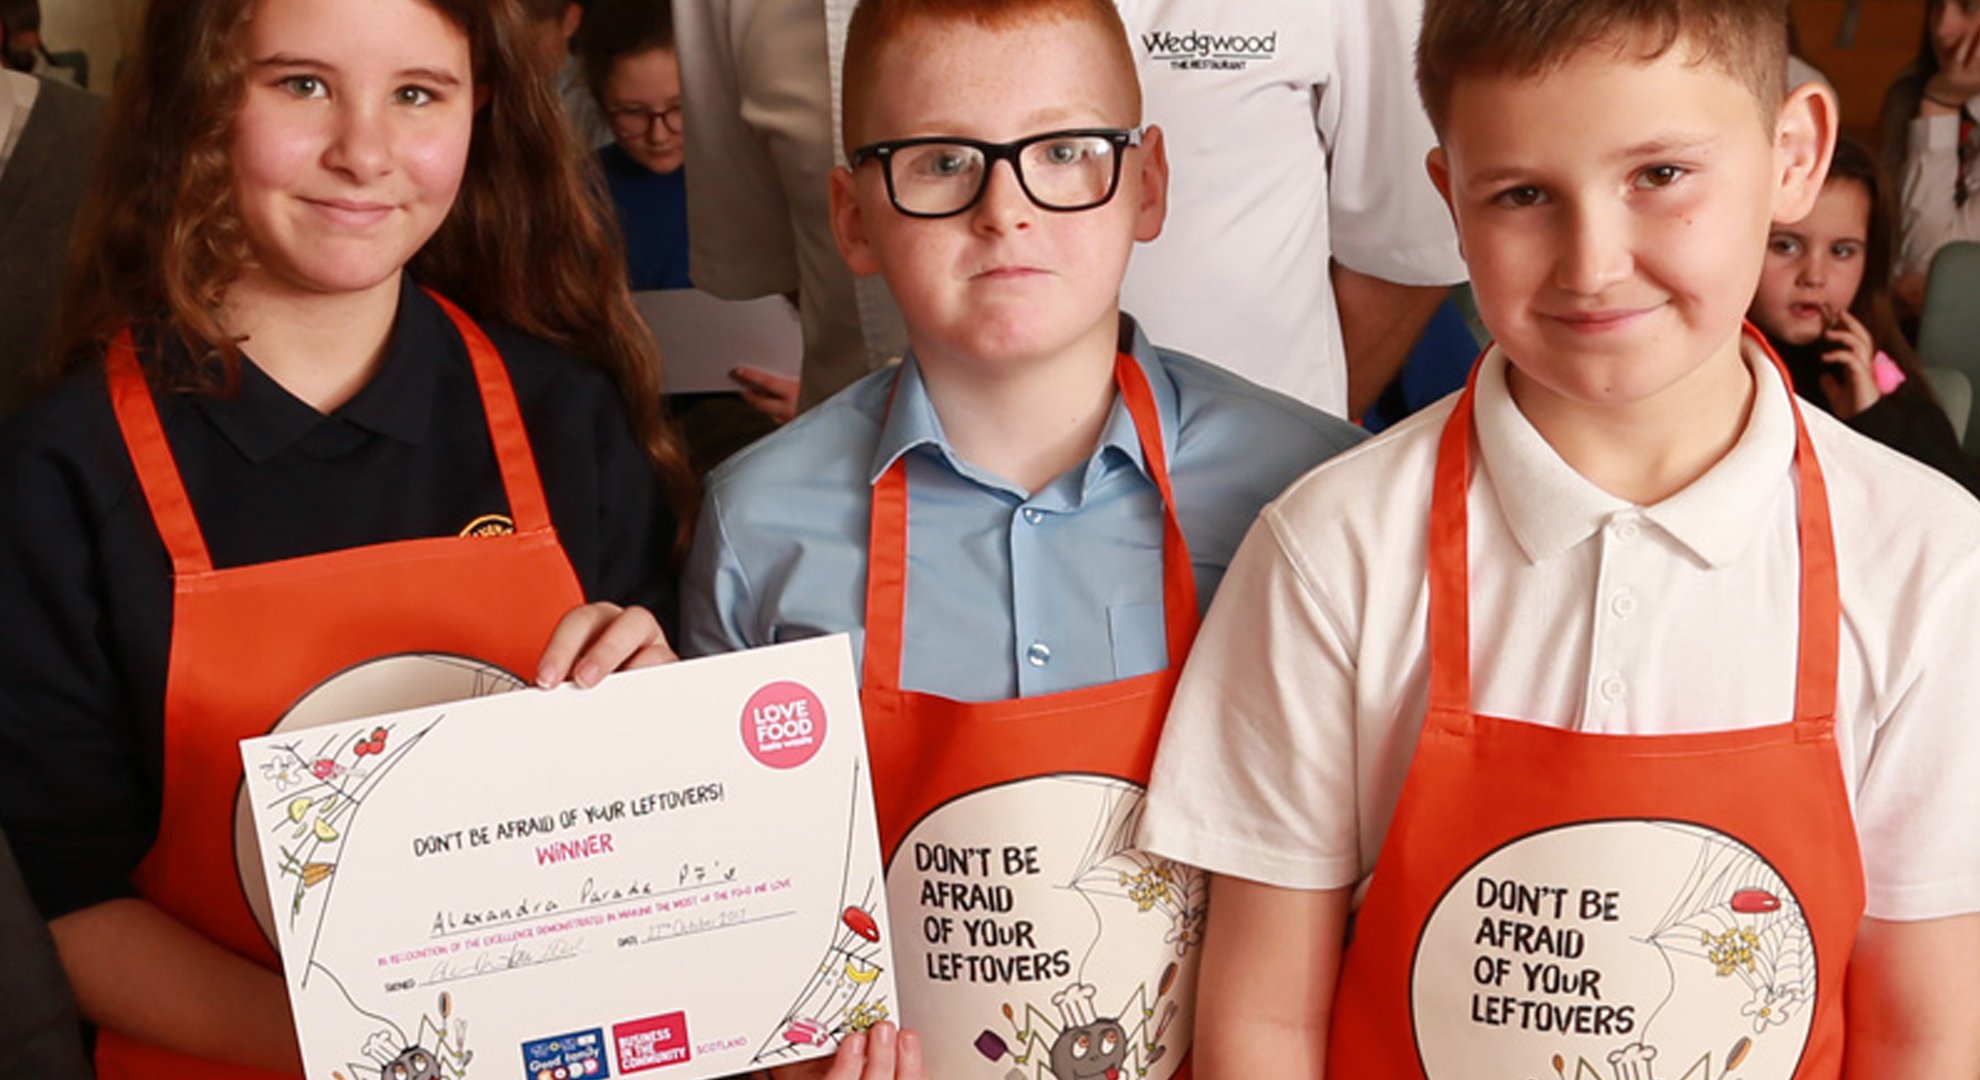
x: 877, y: 23
x: 1746, y: 39
x: 617, y: 28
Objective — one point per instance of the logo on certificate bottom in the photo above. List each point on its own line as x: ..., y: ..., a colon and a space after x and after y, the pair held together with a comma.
x: 653, y: 1042
x: 577, y: 1056
x: 783, y: 725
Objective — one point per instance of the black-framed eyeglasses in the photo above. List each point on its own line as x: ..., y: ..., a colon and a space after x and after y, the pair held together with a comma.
x: 635, y: 120
x: 941, y: 176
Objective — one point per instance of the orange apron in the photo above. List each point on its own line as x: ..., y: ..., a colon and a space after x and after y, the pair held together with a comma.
x: 1032, y: 939
x: 1557, y: 904
x: 248, y: 641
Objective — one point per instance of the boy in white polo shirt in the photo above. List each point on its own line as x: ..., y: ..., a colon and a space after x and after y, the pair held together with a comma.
x: 1625, y: 706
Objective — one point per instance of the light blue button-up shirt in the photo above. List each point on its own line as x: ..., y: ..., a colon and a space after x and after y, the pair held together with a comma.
x: 1010, y: 592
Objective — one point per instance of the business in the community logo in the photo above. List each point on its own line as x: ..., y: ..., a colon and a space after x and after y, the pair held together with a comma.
x: 1198, y: 50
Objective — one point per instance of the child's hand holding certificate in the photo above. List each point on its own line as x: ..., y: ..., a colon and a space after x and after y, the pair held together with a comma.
x: 676, y: 870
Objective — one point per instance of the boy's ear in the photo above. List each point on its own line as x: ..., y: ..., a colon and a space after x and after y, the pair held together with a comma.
x: 1438, y: 165
x: 849, y: 223
x: 1154, y: 207
x: 1804, y: 141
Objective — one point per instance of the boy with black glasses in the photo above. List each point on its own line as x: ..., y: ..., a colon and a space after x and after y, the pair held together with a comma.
x: 1022, y: 520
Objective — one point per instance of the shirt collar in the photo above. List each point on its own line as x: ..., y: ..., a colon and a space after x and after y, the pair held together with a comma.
x: 911, y: 422
x: 1550, y: 508
x: 264, y: 419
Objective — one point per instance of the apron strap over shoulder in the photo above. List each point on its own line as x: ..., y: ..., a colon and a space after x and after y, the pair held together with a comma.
x: 886, y: 562
x: 151, y: 456
x: 505, y: 426
x: 1449, y: 632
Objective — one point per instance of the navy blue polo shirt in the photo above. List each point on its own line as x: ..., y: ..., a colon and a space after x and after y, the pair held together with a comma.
x: 86, y: 585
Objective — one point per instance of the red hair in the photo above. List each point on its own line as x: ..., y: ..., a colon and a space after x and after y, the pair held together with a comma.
x: 879, y: 23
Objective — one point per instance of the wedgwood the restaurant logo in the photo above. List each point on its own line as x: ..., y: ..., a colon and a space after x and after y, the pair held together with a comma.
x: 1200, y: 51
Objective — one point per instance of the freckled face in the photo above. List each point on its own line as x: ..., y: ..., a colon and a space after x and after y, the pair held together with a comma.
x: 1814, y: 266
x: 1614, y: 216
x: 1004, y: 283
x: 350, y: 144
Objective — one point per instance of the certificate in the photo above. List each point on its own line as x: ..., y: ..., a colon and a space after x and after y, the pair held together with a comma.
x: 674, y: 873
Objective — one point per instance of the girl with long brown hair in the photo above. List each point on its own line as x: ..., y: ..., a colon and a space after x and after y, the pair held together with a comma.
x: 1824, y: 302
x: 347, y: 370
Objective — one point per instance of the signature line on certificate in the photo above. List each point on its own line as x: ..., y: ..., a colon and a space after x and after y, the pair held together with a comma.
x: 490, y: 964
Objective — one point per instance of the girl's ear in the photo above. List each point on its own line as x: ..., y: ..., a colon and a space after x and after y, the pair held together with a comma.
x: 1804, y: 142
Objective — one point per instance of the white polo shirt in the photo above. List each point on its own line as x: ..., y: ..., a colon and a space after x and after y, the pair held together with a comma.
x: 1295, y: 135
x: 1300, y: 705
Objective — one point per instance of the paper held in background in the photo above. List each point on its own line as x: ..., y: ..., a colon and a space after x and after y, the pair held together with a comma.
x: 703, y: 337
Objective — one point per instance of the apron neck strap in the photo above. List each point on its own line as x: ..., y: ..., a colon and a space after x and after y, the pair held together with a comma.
x: 886, y: 563
x: 165, y: 490
x: 151, y: 456
x: 1449, y: 615
x: 520, y: 480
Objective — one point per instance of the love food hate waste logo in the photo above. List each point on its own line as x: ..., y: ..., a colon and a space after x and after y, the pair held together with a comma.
x: 783, y: 725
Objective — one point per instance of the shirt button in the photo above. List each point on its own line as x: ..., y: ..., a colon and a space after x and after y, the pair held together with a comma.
x: 1626, y: 531
x: 1033, y: 517
x: 1038, y: 655
x: 1612, y: 688
x: 1624, y: 605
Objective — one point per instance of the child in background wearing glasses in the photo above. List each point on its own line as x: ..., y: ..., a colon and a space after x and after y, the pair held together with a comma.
x: 635, y: 74
x: 628, y: 52
x: 1044, y: 500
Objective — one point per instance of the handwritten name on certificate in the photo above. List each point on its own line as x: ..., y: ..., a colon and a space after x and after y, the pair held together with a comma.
x: 674, y: 875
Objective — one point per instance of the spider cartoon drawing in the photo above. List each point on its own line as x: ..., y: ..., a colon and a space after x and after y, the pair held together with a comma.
x: 1084, y: 1045
x: 432, y: 1053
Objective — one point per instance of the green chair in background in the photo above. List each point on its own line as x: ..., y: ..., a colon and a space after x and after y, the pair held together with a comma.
x: 1949, y: 334
x: 74, y: 61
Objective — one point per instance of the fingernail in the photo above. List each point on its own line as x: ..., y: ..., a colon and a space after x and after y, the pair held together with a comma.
x: 544, y: 680
x: 587, y: 674
x: 883, y: 1033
